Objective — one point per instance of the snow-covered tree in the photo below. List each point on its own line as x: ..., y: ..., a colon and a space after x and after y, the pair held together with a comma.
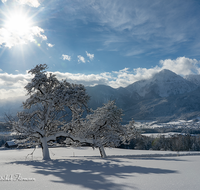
x: 49, y: 102
x: 104, y: 127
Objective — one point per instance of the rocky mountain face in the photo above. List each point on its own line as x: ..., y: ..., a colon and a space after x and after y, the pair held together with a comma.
x: 166, y: 96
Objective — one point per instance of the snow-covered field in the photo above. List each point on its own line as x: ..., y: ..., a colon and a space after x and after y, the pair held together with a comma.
x: 82, y: 168
x: 195, y: 124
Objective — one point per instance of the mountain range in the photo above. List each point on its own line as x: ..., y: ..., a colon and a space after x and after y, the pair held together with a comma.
x: 164, y: 97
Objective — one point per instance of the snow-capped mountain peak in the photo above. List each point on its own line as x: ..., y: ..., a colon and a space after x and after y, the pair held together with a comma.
x: 163, y: 83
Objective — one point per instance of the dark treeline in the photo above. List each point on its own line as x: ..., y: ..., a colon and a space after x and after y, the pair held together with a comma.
x: 174, y: 143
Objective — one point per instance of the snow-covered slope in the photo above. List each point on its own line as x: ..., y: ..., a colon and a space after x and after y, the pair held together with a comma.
x: 83, y: 169
x: 164, y: 84
x: 194, y: 79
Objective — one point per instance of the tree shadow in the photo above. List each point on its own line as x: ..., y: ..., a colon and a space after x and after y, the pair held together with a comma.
x: 90, y: 173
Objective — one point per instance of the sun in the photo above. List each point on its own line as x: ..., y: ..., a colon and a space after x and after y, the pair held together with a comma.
x: 20, y: 28
x: 18, y: 23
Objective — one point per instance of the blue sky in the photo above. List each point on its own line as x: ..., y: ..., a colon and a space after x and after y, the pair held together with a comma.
x: 111, y: 42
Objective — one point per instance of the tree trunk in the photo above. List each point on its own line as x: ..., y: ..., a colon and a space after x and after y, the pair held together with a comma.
x: 102, y: 152
x: 45, y: 149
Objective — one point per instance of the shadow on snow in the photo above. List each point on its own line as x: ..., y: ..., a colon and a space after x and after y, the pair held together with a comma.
x: 90, y: 173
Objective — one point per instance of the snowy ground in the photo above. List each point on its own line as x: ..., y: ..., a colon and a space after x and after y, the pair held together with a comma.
x: 82, y: 168
x: 174, y: 124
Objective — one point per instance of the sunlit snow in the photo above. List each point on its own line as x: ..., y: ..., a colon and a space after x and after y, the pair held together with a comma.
x: 82, y: 168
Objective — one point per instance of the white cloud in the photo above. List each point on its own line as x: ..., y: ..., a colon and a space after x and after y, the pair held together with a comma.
x: 9, y: 93
x: 1, y: 70
x: 32, y: 3
x: 50, y: 45
x: 10, y: 39
x: 66, y: 57
x: 181, y: 65
x: 80, y: 78
x: 37, y: 31
x: 125, y: 77
x: 115, y: 79
x: 81, y: 59
x: 91, y: 56
x: 11, y: 78
x: 13, y: 85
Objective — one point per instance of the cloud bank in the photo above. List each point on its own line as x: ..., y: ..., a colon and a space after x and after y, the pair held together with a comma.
x: 13, y: 85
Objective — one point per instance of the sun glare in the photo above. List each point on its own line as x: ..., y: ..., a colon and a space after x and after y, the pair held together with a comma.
x: 18, y: 24
x: 20, y: 28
